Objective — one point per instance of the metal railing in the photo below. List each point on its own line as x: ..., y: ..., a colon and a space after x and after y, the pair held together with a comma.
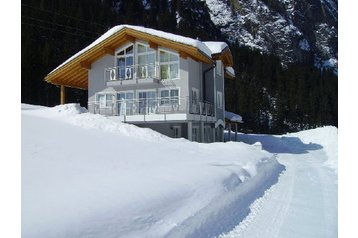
x: 140, y: 71
x: 149, y: 106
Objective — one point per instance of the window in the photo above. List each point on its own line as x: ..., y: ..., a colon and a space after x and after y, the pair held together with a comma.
x: 105, y: 100
x: 169, y: 65
x: 125, y: 62
x: 218, y: 67
x: 195, y: 133
x: 125, y: 103
x: 146, y: 62
x: 169, y: 97
x: 176, y: 131
x: 147, y: 102
x: 194, y: 95
x: 219, y: 99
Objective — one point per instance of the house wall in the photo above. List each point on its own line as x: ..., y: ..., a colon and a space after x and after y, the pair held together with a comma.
x: 191, y: 76
x: 219, y: 80
x: 96, y: 81
x: 167, y: 128
x: 195, y: 77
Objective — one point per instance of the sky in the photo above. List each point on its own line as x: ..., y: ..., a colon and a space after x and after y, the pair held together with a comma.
x: 10, y: 124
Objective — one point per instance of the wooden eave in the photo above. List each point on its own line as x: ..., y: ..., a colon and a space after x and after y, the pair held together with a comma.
x: 75, y: 72
x: 225, y: 56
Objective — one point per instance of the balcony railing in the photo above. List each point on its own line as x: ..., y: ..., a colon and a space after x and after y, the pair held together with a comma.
x: 150, y: 106
x: 132, y: 72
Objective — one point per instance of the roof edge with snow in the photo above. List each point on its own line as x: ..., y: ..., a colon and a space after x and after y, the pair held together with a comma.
x: 74, y: 71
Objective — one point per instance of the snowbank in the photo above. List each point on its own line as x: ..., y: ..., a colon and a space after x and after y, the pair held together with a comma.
x: 328, y: 138
x: 86, y: 175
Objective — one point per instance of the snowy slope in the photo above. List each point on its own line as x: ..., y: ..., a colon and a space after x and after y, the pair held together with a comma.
x: 86, y: 175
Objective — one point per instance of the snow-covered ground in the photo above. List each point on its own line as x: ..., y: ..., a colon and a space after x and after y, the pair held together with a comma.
x: 86, y: 175
x: 304, y: 203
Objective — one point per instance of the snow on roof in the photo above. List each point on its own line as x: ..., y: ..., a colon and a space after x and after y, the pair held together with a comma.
x: 230, y: 70
x: 216, y: 47
x: 169, y: 36
x: 233, y: 117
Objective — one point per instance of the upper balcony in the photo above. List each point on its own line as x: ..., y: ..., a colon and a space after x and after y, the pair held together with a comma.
x: 133, y: 74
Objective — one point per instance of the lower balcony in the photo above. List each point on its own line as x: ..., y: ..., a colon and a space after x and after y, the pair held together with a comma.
x: 154, y: 109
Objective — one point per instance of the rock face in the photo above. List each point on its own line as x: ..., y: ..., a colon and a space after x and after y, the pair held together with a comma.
x: 295, y: 30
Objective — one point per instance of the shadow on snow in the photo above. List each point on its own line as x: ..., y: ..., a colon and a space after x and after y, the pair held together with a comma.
x: 278, y: 144
x: 224, y: 214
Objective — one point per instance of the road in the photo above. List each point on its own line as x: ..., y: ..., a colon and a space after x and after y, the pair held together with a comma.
x: 302, y: 204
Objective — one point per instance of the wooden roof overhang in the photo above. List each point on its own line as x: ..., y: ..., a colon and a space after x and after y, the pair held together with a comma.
x: 226, y: 57
x: 75, y: 72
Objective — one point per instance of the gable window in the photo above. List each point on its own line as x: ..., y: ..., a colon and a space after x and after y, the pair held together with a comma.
x: 219, y: 99
x: 169, y: 65
x: 146, y: 57
x: 125, y: 62
x: 105, y: 100
x: 169, y: 97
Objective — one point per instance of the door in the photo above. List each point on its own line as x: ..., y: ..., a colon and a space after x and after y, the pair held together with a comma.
x: 125, y: 103
x: 147, y: 102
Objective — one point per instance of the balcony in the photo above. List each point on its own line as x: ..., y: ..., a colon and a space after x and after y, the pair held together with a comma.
x: 156, y: 108
x: 133, y: 74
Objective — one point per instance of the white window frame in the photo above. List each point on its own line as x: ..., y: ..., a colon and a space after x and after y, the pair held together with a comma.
x: 137, y: 54
x: 219, y: 99
x: 147, y: 90
x: 168, y: 63
x: 133, y: 55
x: 169, y: 96
x: 125, y: 100
x: 105, y: 95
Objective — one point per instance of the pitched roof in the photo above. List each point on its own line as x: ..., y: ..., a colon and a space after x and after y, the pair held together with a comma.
x: 74, y: 71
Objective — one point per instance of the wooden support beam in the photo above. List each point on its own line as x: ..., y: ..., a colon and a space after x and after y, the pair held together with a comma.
x: 153, y: 45
x: 108, y: 50
x: 62, y: 95
x: 85, y: 65
x: 183, y: 55
x: 130, y: 38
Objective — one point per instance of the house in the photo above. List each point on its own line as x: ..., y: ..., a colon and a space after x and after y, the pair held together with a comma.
x: 150, y: 78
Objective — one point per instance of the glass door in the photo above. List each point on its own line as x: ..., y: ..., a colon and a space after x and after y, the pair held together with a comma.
x: 125, y: 103
x: 147, y: 102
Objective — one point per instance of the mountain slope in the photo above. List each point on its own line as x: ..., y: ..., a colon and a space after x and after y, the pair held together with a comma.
x: 296, y: 31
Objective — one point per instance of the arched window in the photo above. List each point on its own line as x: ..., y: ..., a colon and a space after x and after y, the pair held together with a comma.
x: 125, y: 63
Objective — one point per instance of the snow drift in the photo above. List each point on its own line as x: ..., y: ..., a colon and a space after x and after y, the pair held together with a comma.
x: 86, y: 175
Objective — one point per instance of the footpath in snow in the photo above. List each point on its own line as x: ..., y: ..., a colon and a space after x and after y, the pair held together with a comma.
x: 86, y: 175
x: 304, y: 202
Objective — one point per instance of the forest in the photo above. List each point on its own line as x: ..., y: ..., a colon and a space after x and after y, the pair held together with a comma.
x: 270, y: 96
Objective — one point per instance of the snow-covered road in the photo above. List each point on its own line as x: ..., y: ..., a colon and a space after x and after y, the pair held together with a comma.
x: 302, y: 204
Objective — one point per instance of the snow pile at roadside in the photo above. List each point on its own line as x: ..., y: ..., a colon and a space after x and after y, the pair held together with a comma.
x: 328, y: 138
x: 86, y: 175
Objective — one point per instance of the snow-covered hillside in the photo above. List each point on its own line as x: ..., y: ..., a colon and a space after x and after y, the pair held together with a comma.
x: 86, y: 175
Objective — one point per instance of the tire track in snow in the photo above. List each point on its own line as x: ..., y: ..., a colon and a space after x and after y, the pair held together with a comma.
x: 274, y: 223
x: 302, y: 204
